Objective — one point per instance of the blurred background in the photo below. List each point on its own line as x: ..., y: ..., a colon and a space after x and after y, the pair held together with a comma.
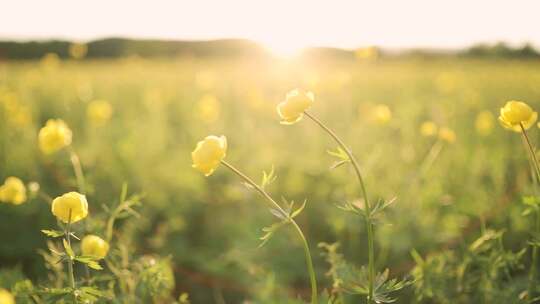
x: 170, y: 73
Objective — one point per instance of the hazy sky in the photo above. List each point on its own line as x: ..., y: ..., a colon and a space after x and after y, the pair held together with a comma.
x: 283, y: 25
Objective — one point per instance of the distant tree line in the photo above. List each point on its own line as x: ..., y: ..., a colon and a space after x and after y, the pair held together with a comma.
x: 501, y: 50
x: 119, y: 47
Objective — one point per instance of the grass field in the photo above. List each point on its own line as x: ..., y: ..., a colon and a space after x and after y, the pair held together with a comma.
x: 449, y: 192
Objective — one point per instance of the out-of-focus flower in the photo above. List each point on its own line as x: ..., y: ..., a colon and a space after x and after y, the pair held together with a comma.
x: 16, y: 112
x: 94, y: 246
x: 208, y: 154
x: 484, y: 123
x: 71, y: 202
x: 6, y: 297
x: 446, y: 82
x: 78, y: 50
x: 368, y: 53
x: 50, y: 61
x: 54, y: 136
x: 208, y: 108
x: 99, y: 111
x: 447, y: 134
x: 515, y: 114
x: 428, y: 128
x: 292, y: 109
x: 381, y: 114
x: 33, y: 189
x: 13, y: 191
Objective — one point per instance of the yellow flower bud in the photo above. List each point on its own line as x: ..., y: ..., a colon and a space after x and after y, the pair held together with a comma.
x: 78, y: 50
x: 447, y: 134
x: 292, y: 109
x: 70, y: 202
x: 428, y: 128
x: 381, y: 114
x: 209, y: 153
x: 94, y: 246
x: 6, y: 297
x: 13, y: 191
x: 54, y: 136
x: 484, y: 123
x: 207, y: 108
x: 515, y: 114
x: 99, y: 111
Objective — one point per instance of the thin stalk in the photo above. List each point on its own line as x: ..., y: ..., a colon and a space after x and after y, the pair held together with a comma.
x: 309, y: 262
x: 369, y: 224
x: 76, y: 163
x: 533, y: 271
x: 431, y: 157
x: 67, y: 234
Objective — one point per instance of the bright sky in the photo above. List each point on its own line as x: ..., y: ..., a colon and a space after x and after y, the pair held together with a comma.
x: 280, y: 24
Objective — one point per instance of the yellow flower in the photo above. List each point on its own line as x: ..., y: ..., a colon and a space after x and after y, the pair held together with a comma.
x: 367, y: 53
x: 94, y: 246
x: 50, y: 61
x: 292, y: 109
x: 78, y: 50
x: 517, y: 113
x: 447, y: 135
x: 54, y: 136
x: 208, y: 154
x: 70, y: 202
x: 99, y: 111
x: 428, y: 128
x: 484, y: 123
x: 382, y: 114
x: 208, y: 108
x: 6, y: 297
x: 13, y: 191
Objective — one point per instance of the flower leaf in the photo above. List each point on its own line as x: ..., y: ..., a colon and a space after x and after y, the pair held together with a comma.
x: 52, y: 233
x: 299, y: 210
x: 68, y: 249
x: 89, y: 261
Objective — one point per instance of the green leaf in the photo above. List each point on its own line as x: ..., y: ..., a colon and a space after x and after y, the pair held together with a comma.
x: 68, y: 249
x: 93, y: 291
x: 268, y: 178
x: 53, y: 233
x: 299, y: 210
x: 531, y: 201
x: 89, y: 261
x: 269, y: 232
x: 350, y: 207
x: 277, y: 213
x: 184, y: 298
x: 338, y: 164
x: 380, y: 206
x: 339, y: 153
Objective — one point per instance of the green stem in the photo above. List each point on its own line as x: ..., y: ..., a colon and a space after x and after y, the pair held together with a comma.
x: 71, y: 274
x: 533, y: 271
x: 76, y: 163
x: 309, y: 262
x: 534, y: 266
x: 431, y: 157
x: 369, y: 224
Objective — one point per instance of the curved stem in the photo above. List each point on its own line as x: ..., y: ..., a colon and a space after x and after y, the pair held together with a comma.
x: 76, y: 163
x: 67, y: 234
x: 369, y: 224
x: 309, y: 262
x: 533, y: 272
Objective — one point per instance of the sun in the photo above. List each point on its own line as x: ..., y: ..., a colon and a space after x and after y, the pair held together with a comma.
x: 283, y: 47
